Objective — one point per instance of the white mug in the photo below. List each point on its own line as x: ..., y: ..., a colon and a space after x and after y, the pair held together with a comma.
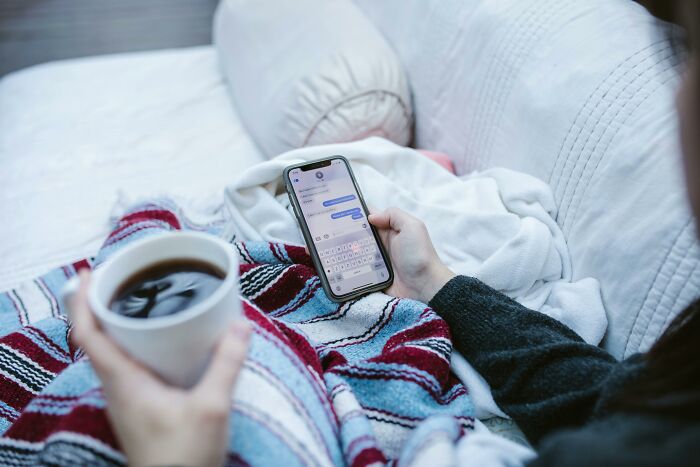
x: 177, y: 347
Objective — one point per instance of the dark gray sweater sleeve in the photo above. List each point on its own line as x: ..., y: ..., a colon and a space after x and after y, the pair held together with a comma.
x: 541, y: 373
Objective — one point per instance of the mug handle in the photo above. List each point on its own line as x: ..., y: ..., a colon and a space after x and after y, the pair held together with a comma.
x: 68, y: 290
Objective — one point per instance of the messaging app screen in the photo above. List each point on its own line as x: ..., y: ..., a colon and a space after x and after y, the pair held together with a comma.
x: 340, y: 231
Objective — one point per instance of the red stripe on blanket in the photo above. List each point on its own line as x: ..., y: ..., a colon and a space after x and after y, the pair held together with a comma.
x: 420, y: 359
x: 25, y: 346
x: 333, y: 359
x: 147, y: 216
x: 299, y: 255
x: 164, y: 215
x: 19, y: 396
x: 141, y: 227
x: 82, y: 264
x: 286, y: 288
x: 82, y: 419
x: 436, y: 328
x: 308, y: 295
x: 245, y: 267
x: 368, y: 457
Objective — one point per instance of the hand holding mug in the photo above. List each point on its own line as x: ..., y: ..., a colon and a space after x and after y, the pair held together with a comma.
x: 168, y: 326
x: 155, y: 423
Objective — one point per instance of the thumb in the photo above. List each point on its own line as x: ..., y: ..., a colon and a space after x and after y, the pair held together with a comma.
x: 226, y: 363
x: 379, y: 220
x: 392, y: 218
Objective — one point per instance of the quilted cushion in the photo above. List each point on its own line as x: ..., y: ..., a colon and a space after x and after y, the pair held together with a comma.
x: 579, y: 93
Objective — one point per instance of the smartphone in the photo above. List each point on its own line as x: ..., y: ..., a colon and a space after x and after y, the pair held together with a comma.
x: 345, y: 247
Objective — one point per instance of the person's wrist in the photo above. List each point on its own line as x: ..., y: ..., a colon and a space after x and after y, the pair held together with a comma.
x: 437, y: 276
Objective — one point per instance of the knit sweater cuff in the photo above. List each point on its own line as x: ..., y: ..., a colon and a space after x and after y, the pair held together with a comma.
x: 453, y: 292
x: 460, y: 302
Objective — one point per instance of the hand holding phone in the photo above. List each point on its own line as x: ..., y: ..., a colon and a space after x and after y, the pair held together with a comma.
x: 345, y: 247
x: 419, y: 273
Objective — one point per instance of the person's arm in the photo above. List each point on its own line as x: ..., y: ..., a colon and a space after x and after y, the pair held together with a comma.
x: 541, y: 373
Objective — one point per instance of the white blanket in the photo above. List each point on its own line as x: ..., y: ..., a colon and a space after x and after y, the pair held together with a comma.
x: 495, y: 225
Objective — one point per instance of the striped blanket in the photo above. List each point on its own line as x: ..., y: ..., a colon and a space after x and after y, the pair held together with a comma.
x: 365, y: 382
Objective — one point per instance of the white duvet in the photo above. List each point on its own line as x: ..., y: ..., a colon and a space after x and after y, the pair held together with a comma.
x: 75, y: 134
x: 495, y: 225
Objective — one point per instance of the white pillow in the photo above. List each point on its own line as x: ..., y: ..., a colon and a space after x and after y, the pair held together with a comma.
x: 308, y: 72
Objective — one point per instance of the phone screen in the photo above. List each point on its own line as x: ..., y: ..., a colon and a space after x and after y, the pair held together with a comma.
x: 338, y: 226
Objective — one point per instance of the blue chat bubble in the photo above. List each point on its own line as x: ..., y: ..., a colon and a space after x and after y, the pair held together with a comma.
x: 349, y: 212
x: 357, y: 216
x: 342, y: 199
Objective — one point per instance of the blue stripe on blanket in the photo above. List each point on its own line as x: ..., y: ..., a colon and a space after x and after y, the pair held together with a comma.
x: 271, y: 360
x: 409, y: 399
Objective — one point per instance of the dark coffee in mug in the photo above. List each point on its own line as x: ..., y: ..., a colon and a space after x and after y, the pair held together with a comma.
x: 166, y: 288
